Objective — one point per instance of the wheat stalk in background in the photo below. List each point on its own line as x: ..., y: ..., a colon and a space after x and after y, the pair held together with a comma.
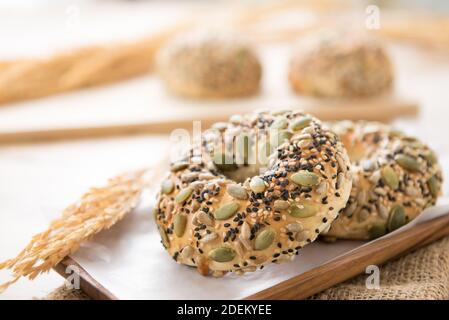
x: 97, y: 210
x: 81, y: 68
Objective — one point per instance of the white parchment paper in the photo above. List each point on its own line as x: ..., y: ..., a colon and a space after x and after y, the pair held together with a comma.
x: 130, y: 262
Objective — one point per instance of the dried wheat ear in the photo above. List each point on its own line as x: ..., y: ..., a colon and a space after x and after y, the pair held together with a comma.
x: 97, y: 210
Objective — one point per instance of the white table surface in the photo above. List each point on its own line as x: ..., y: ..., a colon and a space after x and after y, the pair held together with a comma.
x: 37, y: 181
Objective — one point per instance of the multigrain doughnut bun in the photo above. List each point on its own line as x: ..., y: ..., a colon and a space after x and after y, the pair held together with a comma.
x: 340, y: 64
x: 395, y: 177
x: 209, y: 65
x: 217, y: 224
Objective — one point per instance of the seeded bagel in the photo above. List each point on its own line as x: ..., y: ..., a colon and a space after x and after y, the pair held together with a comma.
x: 209, y: 65
x: 395, y: 177
x: 269, y: 209
x: 340, y: 64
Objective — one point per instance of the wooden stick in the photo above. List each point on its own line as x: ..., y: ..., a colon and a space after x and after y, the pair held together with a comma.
x: 355, y: 262
x: 376, y: 110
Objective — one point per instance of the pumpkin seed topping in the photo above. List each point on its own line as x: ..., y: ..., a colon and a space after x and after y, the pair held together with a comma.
x: 407, y: 162
x: 237, y: 191
x: 377, y: 230
x: 390, y: 177
x: 164, y: 238
x: 226, y: 211
x: 396, y: 218
x: 183, y: 194
x: 305, y: 178
x: 264, y: 239
x: 434, y: 186
x: 304, y: 210
x: 222, y: 254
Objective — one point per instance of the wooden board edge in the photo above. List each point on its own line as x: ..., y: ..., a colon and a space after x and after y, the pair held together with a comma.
x: 91, y: 287
x: 318, y: 279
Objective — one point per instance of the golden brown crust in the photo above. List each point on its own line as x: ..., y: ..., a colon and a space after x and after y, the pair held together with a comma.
x: 209, y: 65
x: 340, y: 64
x: 395, y: 177
x: 219, y: 225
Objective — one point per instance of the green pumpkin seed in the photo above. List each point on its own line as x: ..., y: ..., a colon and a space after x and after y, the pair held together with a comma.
x: 167, y: 186
x: 177, y: 166
x: 179, y: 224
x: 281, y: 205
x: 377, y: 230
x: 431, y: 157
x: 222, y: 254
x: 434, y: 186
x: 183, y: 194
x: 164, y: 238
x: 300, y: 123
x: 305, y: 178
x: 155, y: 213
x: 390, y: 177
x: 226, y: 211
x: 396, y: 218
x: 257, y: 185
x: 279, y: 124
x: 264, y: 239
x: 407, y: 162
x: 237, y: 191
x: 303, y: 210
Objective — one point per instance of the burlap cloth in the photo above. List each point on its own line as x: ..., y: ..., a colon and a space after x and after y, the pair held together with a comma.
x: 422, y: 274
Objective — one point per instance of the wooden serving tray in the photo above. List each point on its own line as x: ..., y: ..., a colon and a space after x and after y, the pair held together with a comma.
x: 320, y: 278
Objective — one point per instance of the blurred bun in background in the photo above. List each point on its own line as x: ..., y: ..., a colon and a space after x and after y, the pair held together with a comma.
x: 339, y: 63
x: 209, y: 64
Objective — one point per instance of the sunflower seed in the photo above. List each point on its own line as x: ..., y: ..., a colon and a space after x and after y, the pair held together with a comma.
x: 349, y: 210
x: 362, y: 215
x: 412, y: 191
x: 204, y: 218
x: 434, y: 186
x: 177, y: 166
x: 294, y: 227
x: 183, y: 194
x: 164, y: 238
x: 189, y: 176
x: 222, y: 254
x: 341, y: 162
x: 361, y: 197
x: 390, y: 177
x: 322, y: 188
x: 245, y: 230
x: 209, y: 237
x: 220, y: 126
x: 246, y: 243
x: 368, y: 165
x: 264, y: 239
x: 382, y: 210
x: 187, y: 252
x: 237, y: 191
x: 407, y: 162
x: 226, y: 211
x: 300, y: 123
x: 206, y: 176
x: 340, y: 180
x: 257, y: 185
x: 279, y: 124
x: 375, y: 177
x: 303, y: 210
x: 377, y: 230
x: 239, y: 248
x: 305, y: 178
x: 235, y: 119
x: 396, y: 218
x: 281, y: 205
x: 179, y: 224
